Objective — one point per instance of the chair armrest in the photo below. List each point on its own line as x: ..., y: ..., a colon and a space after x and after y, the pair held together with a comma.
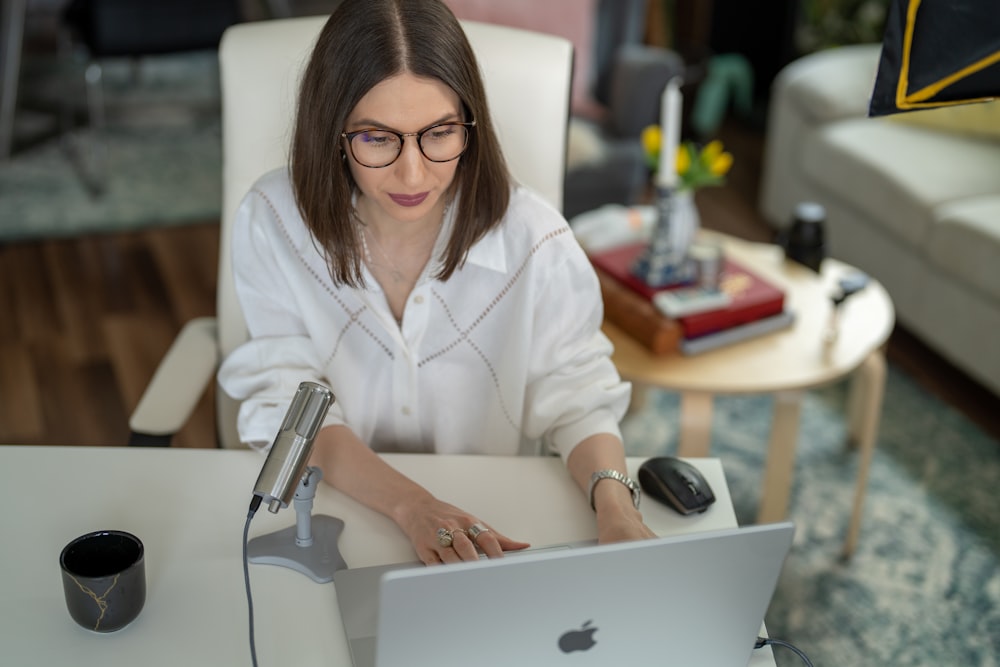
x: 177, y: 384
x: 640, y: 74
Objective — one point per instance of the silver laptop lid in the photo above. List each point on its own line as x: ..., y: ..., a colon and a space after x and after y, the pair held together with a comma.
x: 698, y: 598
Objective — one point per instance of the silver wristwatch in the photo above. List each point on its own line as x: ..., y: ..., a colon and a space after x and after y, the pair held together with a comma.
x: 618, y: 477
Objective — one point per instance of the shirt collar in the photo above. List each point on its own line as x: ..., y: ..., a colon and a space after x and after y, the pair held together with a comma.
x: 488, y: 252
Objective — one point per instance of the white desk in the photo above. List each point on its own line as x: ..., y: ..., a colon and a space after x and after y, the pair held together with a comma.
x: 189, y: 508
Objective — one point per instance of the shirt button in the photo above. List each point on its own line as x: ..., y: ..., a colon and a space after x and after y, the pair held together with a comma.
x: 406, y: 410
x: 418, y: 299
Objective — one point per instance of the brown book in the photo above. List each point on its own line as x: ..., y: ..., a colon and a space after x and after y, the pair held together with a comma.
x: 638, y: 317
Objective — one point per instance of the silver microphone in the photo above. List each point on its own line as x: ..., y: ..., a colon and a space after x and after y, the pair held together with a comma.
x: 286, y: 462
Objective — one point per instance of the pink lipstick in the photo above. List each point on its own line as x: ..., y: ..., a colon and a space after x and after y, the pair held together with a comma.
x: 409, y: 200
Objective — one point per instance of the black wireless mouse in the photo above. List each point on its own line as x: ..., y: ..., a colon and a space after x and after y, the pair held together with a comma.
x: 676, y: 483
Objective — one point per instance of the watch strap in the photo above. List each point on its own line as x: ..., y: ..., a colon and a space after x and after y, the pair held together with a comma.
x: 609, y: 473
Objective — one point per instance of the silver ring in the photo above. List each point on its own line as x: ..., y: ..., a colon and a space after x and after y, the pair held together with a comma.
x: 475, y: 530
x: 444, y: 537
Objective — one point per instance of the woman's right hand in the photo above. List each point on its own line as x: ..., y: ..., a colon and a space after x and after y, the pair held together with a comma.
x: 421, y: 522
x: 351, y: 466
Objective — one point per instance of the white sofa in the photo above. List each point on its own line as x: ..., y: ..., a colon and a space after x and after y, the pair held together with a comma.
x: 912, y: 199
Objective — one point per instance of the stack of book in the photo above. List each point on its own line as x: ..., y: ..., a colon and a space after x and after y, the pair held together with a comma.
x: 686, y: 318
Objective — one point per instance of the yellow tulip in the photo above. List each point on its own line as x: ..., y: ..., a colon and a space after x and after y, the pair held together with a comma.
x: 651, y: 138
x: 683, y: 159
x: 711, y: 152
x: 696, y: 168
x: 721, y: 164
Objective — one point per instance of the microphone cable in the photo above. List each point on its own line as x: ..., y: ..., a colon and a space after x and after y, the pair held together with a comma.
x: 254, y: 504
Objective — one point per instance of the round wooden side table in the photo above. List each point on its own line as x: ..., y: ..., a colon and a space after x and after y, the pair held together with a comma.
x: 785, y: 363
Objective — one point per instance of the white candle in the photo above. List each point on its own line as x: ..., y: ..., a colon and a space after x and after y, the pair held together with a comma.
x: 670, y: 126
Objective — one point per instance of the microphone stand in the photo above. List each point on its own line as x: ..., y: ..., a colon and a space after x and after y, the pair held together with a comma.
x: 310, y: 546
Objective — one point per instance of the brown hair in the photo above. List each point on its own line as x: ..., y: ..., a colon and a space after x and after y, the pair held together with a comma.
x: 363, y: 43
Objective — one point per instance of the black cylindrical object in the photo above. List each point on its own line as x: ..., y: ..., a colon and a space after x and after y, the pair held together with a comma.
x: 805, y: 239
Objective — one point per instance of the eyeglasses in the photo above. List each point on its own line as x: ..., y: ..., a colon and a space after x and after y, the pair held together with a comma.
x: 377, y: 148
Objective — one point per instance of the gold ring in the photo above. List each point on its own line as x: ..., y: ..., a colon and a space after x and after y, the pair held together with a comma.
x: 444, y: 537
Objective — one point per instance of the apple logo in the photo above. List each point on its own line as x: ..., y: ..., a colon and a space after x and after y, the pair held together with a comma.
x: 578, y: 640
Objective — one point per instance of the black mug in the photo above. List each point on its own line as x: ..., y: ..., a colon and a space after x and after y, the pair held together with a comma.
x: 104, y: 579
x: 805, y: 241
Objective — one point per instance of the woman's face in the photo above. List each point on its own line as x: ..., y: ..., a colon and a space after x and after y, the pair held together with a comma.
x: 411, y: 189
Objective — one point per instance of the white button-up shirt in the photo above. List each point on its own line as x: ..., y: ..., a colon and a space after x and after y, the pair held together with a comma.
x: 505, y: 357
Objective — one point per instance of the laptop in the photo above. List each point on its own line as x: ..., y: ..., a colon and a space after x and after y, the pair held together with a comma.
x: 693, y: 599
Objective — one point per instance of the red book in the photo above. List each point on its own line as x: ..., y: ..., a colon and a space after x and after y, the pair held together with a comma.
x: 752, y: 297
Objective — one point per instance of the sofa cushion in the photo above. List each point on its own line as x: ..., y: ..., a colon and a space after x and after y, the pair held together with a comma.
x: 832, y: 84
x: 965, y: 243
x: 897, y: 175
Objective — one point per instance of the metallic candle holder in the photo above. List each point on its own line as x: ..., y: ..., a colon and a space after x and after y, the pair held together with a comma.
x: 665, y: 259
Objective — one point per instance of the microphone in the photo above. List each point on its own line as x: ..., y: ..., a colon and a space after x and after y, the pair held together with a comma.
x: 286, y: 462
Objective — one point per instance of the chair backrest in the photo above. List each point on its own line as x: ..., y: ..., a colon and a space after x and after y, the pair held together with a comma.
x: 527, y: 77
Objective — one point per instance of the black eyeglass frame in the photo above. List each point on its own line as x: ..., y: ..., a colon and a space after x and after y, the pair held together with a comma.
x: 349, y: 136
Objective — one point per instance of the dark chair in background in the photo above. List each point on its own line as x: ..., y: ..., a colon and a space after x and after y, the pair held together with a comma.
x: 147, y: 27
x: 136, y: 29
x: 628, y: 77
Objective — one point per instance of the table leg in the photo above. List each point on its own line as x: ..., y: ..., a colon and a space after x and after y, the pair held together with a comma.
x: 858, y: 401
x: 866, y: 398
x: 696, y: 424
x: 780, y: 466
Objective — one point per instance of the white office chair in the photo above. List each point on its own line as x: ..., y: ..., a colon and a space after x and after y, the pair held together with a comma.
x: 527, y: 77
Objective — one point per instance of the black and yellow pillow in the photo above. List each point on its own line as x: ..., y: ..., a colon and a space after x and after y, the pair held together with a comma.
x: 938, y: 53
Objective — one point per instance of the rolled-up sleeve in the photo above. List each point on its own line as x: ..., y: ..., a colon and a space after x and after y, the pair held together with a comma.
x: 575, y: 390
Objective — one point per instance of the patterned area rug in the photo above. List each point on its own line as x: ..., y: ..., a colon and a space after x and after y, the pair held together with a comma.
x: 163, y: 127
x: 923, y: 587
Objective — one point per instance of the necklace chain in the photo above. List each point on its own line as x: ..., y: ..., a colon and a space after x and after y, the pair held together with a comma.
x: 394, y: 272
x: 397, y: 274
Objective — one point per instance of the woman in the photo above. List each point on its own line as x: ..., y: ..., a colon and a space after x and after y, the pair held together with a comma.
x: 449, y: 310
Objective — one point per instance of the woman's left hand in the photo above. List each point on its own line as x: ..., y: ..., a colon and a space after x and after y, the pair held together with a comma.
x: 615, y: 526
x: 618, y: 519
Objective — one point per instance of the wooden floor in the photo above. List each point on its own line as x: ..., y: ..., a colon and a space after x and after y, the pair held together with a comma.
x: 84, y: 322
